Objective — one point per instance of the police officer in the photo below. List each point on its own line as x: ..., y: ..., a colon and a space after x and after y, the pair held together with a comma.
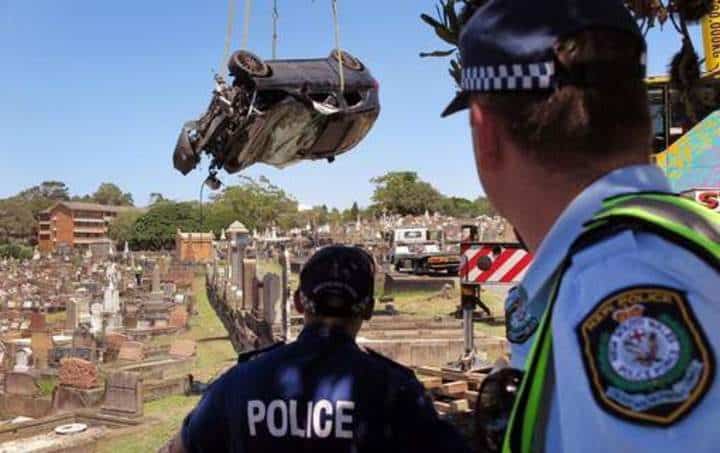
x: 615, y: 323
x: 322, y: 393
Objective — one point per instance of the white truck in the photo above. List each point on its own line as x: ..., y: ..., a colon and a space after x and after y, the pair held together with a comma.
x: 419, y: 250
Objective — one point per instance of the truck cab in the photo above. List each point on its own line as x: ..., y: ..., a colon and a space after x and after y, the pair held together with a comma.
x: 419, y: 250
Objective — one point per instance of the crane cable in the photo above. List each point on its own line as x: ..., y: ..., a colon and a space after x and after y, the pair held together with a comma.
x: 275, y: 17
x: 339, y: 55
x: 222, y: 70
x: 246, y: 25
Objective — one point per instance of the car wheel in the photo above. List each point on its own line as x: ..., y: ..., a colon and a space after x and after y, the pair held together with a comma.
x: 246, y: 63
x: 348, y: 60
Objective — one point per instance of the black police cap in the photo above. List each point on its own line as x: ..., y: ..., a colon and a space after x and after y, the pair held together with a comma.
x: 508, y: 45
x: 339, y: 281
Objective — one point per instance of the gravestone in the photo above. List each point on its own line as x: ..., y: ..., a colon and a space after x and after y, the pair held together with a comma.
x: 271, y: 298
x: 37, y: 322
x: 178, y: 317
x: 41, y: 344
x: 82, y: 338
x: 96, y: 318
x: 22, y: 360
x: 78, y: 373
x: 72, y: 320
x: 123, y: 395
x: 21, y: 384
x: 3, y: 357
x: 59, y: 353
x: 248, y: 274
x: 132, y: 351
x: 156, y: 279
x: 182, y: 349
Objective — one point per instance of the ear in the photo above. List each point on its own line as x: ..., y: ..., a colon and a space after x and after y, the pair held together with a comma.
x: 369, y: 310
x: 488, y: 152
x: 298, y: 302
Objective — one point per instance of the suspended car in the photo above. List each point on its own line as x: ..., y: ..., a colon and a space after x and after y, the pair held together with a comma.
x: 280, y: 112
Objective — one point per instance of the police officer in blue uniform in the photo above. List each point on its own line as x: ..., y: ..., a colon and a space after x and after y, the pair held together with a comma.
x: 615, y: 323
x: 322, y: 393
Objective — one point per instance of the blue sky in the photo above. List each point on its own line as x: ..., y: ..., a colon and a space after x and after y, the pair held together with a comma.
x: 94, y: 91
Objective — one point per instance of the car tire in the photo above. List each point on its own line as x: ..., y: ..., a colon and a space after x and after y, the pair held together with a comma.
x: 348, y: 60
x: 248, y: 64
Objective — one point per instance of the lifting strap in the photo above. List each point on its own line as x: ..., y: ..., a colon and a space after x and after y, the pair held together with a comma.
x: 275, y: 17
x: 222, y: 70
x: 675, y: 218
x: 338, y: 49
x: 246, y: 25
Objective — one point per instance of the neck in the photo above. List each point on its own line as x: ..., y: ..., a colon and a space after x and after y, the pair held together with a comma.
x: 545, y: 195
x: 349, y: 326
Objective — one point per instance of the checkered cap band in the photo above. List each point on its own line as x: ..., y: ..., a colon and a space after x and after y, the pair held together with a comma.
x: 514, y: 77
x: 509, y: 77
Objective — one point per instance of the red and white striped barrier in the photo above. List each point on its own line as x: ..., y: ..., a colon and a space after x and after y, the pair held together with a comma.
x: 509, y: 264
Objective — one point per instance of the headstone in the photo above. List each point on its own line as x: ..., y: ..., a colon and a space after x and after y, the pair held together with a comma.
x: 156, y: 279
x: 41, y: 345
x: 271, y: 298
x: 183, y: 349
x: 37, y: 321
x: 123, y: 395
x: 132, y: 351
x: 178, y: 317
x: 71, y: 315
x: 82, y: 338
x: 57, y: 354
x: 21, y: 384
x: 22, y: 360
x: 3, y: 357
x: 249, y: 271
x: 78, y: 373
x: 96, y: 320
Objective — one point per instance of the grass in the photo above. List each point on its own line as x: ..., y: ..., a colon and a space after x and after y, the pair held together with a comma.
x: 169, y: 412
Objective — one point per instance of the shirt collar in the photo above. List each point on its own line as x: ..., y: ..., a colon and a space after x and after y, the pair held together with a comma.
x: 319, y: 331
x: 552, y: 250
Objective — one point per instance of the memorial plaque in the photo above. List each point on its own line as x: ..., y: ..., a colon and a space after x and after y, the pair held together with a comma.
x: 123, y: 395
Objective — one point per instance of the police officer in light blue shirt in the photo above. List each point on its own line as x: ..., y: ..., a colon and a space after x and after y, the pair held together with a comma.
x: 616, y: 323
x: 322, y: 393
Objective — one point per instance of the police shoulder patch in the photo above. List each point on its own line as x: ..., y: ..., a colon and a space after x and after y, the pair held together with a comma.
x: 646, y: 356
x: 520, y: 322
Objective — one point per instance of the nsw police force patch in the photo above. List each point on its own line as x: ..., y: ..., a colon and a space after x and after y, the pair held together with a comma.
x: 646, y: 356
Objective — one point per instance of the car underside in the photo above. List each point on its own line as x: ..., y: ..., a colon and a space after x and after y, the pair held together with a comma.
x: 280, y: 112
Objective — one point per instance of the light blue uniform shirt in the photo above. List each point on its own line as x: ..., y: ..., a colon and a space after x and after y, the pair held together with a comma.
x: 576, y: 422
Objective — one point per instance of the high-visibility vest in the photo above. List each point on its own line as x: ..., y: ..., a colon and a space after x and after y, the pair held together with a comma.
x: 675, y: 218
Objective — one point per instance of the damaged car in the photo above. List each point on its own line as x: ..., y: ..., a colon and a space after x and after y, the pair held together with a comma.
x: 279, y: 112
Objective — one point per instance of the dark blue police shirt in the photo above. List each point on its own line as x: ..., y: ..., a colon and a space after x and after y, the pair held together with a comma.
x: 321, y: 393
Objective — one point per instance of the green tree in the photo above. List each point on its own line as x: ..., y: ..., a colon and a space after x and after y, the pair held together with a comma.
x: 157, y: 228
x: 458, y: 207
x: 41, y: 197
x: 484, y: 207
x: 17, y: 251
x: 156, y: 197
x: 403, y: 192
x: 110, y: 194
x: 258, y: 204
x: 122, y: 227
x: 16, y: 220
x: 354, y: 211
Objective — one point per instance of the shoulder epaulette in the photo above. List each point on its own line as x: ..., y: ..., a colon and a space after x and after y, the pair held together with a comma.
x: 255, y: 353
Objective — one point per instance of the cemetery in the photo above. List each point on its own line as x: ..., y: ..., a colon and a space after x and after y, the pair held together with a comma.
x: 90, y: 339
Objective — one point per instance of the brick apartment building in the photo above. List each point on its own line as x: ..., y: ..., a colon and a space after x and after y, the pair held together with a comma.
x: 75, y: 224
